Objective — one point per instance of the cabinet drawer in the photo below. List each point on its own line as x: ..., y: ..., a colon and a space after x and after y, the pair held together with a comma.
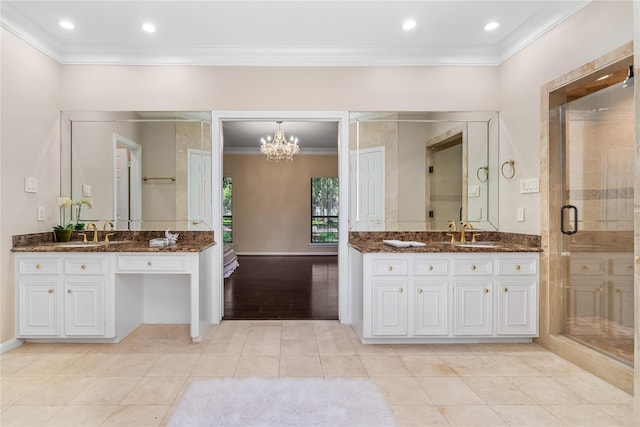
x: 471, y: 266
x: 38, y: 266
x: 517, y: 266
x: 438, y: 267
x: 390, y: 267
x: 151, y: 263
x: 588, y: 266
x: 622, y: 267
x: 84, y: 266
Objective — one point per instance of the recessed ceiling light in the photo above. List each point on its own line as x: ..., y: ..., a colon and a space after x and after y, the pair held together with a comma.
x: 409, y: 25
x: 149, y: 27
x: 67, y: 25
x: 491, y: 26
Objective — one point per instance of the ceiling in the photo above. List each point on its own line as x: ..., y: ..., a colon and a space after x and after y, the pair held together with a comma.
x: 283, y: 33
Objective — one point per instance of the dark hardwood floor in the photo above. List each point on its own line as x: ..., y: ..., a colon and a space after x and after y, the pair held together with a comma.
x: 282, y: 287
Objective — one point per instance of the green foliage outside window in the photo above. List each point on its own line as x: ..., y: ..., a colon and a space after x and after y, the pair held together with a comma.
x: 324, y: 210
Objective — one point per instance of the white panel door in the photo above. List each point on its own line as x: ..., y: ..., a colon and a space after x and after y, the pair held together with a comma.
x: 368, y: 167
x: 199, y: 190
x: 390, y: 304
x: 472, y: 308
x: 84, y: 307
x: 38, y: 307
x: 516, y: 304
x: 431, y: 307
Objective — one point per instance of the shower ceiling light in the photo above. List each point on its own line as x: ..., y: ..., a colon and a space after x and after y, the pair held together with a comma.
x: 278, y: 148
x: 629, y: 80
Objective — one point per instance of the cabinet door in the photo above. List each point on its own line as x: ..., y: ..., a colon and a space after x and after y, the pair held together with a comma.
x: 431, y: 308
x: 472, y: 307
x: 517, y: 307
x: 84, y: 307
x: 584, y: 305
x: 390, y: 304
x: 37, y: 306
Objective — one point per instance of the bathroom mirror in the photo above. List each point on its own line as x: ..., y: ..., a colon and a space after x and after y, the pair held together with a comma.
x: 142, y: 170
x: 414, y: 171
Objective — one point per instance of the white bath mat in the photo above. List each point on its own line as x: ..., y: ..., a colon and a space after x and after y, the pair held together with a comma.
x: 300, y: 402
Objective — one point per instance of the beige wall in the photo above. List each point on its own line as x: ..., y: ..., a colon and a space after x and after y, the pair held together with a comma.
x: 272, y: 202
x: 35, y: 89
x: 30, y: 147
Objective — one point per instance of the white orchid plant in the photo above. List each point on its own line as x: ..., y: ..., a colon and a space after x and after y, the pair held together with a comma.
x: 66, y: 203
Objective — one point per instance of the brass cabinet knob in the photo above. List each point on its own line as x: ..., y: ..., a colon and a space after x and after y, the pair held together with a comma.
x: 486, y: 291
x: 431, y: 268
x: 401, y: 290
x: 473, y: 267
x: 68, y: 291
x: 50, y: 291
x: 419, y: 291
x: 149, y: 263
x: 84, y: 267
x: 37, y: 266
x: 517, y: 268
x: 506, y: 289
x: 390, y: 268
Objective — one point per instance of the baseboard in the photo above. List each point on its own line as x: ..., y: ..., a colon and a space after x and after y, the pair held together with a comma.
x: 287, y: 253
x: 10, y: 345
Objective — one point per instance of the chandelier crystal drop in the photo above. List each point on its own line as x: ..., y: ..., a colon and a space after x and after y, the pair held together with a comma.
x: 279, y: 148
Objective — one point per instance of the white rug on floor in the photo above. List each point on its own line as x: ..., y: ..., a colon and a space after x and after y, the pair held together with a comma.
x: 300, y: 402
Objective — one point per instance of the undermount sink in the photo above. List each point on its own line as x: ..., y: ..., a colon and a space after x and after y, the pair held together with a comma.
x: 80, y: 244
x: 485, y: 245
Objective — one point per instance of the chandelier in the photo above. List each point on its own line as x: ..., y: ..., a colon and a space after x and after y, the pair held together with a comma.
x: 278, y: 148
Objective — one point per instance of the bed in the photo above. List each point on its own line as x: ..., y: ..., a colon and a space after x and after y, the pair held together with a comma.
x: 230, y: 260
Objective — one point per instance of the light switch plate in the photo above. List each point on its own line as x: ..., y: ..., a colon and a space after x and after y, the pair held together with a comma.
x: 520, y: 214
x: 86, y: 190
x: 30, y: 185
x: 530, y: 185
x: 41, y: 213
x: 473, y: 191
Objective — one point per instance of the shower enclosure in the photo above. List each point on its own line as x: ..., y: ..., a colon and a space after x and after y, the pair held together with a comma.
x: 596, y: 261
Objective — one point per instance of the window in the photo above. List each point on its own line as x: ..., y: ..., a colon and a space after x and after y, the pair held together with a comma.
x: 324, y: 210
x: 227, y: 216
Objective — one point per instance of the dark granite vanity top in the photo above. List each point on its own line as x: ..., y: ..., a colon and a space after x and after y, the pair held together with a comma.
x: 120, y: 241
x: 437, y: 241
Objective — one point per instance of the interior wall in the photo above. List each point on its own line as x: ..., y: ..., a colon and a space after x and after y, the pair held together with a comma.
x: 272, y: 202
x: 590, y: 33
x: 30, y: 147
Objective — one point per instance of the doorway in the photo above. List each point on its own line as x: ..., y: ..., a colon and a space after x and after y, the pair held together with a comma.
x: 445, y: 182
x: 597, y: 221
x: 341, y: 119
x: 127, y: 195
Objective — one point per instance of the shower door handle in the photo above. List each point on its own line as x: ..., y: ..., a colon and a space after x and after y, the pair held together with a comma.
x: 575, y: 219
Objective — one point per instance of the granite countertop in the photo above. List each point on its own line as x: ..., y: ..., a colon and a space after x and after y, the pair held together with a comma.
x: 121, y: 241
x: 437, y: 242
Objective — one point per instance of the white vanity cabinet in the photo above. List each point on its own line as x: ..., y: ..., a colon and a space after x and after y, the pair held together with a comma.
x: 104, y: 296
x: 62, y: 296
x: 445, y: 296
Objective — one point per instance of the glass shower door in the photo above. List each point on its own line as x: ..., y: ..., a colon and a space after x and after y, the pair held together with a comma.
x: 597, y: 221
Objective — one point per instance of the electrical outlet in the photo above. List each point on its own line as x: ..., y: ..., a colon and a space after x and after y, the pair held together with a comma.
x: 473, y: 191
x: 86, y: 190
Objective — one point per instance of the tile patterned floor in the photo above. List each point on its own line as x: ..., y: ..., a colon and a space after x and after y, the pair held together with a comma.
x: 138, y: 382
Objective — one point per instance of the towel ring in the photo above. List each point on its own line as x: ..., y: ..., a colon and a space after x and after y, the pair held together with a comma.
x: 511, y: 164
x: 483, y: 177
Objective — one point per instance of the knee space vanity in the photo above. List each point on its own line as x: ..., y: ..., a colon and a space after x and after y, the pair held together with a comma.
x: 442, y: 293
x: 102, y: 293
